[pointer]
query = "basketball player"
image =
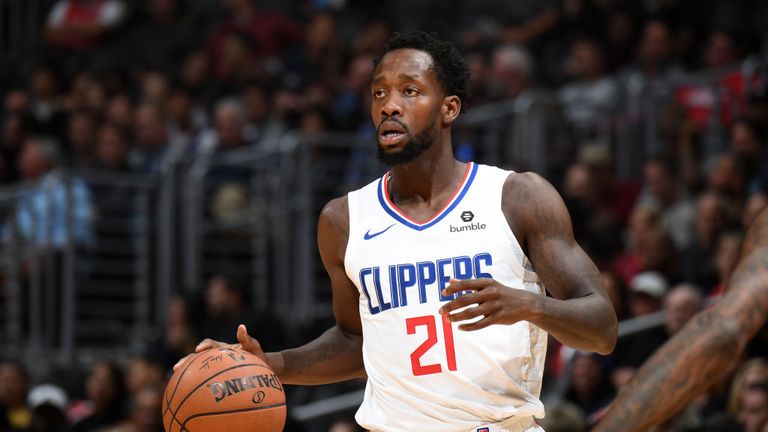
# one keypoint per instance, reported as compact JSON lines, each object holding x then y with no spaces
{"x":697,"y":357}
{"x":438,"y":270}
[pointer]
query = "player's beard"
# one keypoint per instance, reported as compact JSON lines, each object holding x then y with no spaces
{"x":417,"y":145}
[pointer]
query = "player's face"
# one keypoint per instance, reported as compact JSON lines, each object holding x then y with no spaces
{"x":406,"y":100}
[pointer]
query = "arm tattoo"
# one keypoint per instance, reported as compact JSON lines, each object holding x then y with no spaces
{"x":331,"y":349}
{"x":701,"y":353}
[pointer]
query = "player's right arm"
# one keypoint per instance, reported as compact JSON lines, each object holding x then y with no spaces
{"x":698,"y":356}
{"x":337,"y":355}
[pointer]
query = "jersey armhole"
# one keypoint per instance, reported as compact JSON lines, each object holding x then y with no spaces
{"x":522,"y":265}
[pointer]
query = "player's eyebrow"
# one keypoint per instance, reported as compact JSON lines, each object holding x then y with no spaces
{"x":401,"y":76}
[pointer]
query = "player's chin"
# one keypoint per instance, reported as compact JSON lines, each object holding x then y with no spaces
{"x":392,"y":148}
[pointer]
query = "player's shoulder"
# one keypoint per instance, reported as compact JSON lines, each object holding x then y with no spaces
{"x":336,"y":214}
{"x":527,"y":200}
{"x":523,"y":187}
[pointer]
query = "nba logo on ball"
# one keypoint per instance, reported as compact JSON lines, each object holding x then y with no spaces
{"x":483,"y":429}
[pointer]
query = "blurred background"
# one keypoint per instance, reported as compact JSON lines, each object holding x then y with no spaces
{"x":163,"y":164}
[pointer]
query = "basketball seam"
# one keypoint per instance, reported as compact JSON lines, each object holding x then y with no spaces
{"x":168,"y":401}
{"x":184,"y":425}
{"x":191,"y":392}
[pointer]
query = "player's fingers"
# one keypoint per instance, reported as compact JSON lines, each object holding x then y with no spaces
{"x":461,"y":302}
{"x":456,"y":285}
{"x":248,"y":343}
{"x":469,"y":313}
{"x":207,"y":344}
{"x":181,"y":362}
{"x":483,"y":323}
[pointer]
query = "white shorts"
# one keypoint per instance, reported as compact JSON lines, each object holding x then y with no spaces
{"x":512,"y":424}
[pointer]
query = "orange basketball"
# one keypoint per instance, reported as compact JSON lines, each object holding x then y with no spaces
{"x":223,"y":389}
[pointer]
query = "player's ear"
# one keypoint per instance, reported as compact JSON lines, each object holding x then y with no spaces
{"x":451,"y":108}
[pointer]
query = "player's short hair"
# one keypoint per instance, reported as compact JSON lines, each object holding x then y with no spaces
{"x":450,"y":67}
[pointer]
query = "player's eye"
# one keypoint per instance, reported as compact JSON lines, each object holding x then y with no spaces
{"x":410,"y":91}
{"x":378,"y":93}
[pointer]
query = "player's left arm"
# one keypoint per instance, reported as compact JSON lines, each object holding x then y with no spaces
{"x":702,"y":352}
{"x":579,"y":313}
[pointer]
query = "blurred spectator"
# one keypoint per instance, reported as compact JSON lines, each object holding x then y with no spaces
{"x":151,"y":138}
{"x":112,"y":149}
{"x":145,"y":412}
{"x":617,"y":293}
{"x":753,"y":415}
{"x":615,"y":196}
{"x":46,"y":103}
{"x":350,"y":106}
{"x":697,"y":263}
{"x":14,"y":385}
{"x":564,"y":417}
{"x":747,"y":142}
{"x":262,"y":127}
{"x":511,"y":72}
{"x":226,"y":307}
{"x":179,"y":338}
{"x":620,"y":30}
{"x":230,"y":122}
{"x":48,"y":404}
{"x":154,"y":88}
{"x":270,"y":33}
{"x":751,"y":372}
{"x":648,"y":246}
{"x":727,"y":176}
{"x":320,"y":59}
{"x":16,"y":129}
{"x":591,"y":96}
{"x":647,"y":291}
{"x":588,"y":388}
{"x":42,"y":216}
{"x":48,"y":418}
{"x":105,"y":406}
{"x":648,"y":294}
{"x":187,"y":121}
{"x":74,"y":27}
{"x":170,"y":29}
{"x":144,"y":371}
{"x":16,"y":101}
{"x":680,"y":305}
{"x":520,"y":22}
{"x":664,"y":191}
{"x":721,"y":50}
{"x":81,"y":139}
{"x":78,"y":24}
{"x":655,"y":63}
{"x":120,"y":112}
{"x":195,"y":74}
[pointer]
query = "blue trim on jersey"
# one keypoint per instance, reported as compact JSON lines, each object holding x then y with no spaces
{"x":437,"y":219}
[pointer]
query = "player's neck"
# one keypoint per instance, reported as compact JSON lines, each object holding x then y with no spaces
{"x":427,"y":178}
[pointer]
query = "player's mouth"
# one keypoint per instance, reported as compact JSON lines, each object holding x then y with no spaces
{"x":391,"y":133}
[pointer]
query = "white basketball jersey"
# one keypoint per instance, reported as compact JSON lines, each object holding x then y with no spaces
{"x":423,"y":372}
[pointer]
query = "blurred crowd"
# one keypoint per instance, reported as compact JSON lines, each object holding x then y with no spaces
{"x":129,"y":86}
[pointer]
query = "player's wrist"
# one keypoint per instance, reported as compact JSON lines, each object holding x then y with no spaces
{"x":276,"y":362}
{"x":536,"y":308}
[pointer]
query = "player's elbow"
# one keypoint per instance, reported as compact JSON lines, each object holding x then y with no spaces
{"x":607,"y":342}
{"x":608,"y":335}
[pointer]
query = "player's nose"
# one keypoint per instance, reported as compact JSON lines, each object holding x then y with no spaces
{"x":391,"y":107}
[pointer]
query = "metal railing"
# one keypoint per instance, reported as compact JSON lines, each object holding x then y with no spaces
{"x":77,"y":252}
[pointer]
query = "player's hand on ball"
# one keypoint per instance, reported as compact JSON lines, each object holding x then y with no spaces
{"x":496,"y":303}
{"x":246,"y":342}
